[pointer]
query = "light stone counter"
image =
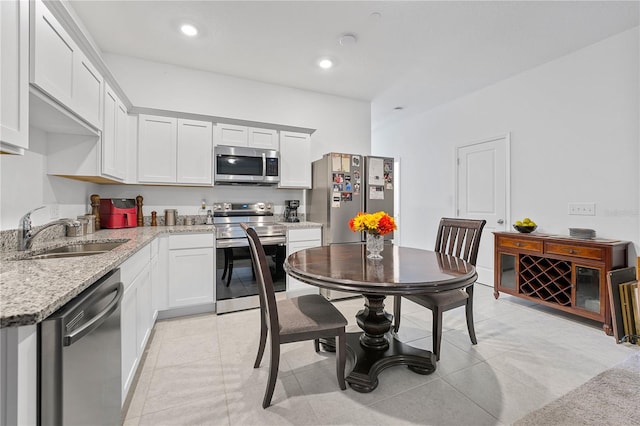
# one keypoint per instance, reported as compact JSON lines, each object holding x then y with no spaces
{"x":300,"y":225}
{"x":31,"y":290}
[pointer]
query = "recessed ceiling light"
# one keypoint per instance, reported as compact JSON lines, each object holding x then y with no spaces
{"x":348,"y":39}
{"x":189,"y":30}
{"x":325,"y":63}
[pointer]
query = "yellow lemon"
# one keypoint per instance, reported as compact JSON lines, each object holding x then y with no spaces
{"x":518,"y":223}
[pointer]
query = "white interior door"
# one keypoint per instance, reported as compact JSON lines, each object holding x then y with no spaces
{"x":483,"y":193}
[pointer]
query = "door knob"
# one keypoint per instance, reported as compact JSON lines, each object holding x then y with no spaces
{"x":500,"y":221}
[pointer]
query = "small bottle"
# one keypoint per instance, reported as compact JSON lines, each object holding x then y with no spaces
{"x":209,"y":218}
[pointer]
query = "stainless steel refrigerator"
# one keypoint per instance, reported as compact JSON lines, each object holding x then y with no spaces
{"x":343,"y":185}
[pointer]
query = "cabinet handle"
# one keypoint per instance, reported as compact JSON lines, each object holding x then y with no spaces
{"x":519,"y":244}
{"x":572,"y":251}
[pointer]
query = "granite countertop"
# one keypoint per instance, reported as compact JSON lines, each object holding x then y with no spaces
{"x":300,"y":225}
{"x":31,"y":290}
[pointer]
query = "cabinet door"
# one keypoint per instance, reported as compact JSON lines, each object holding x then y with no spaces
{"x":128,"y":339}
{"x":144,"y":313}
{"x":87,"y":91}
{"x":53,"y":55}
{"x":295,"y":160}
{"x":263,"y":138}
{"x":300,"y":239}
{"x":190,"y":277}
{"x":122,"y":141}
{"x":507,"y":271}
{"x":157,"y":149}
{"x":114,"y":136}
{"x":228,"y":134}
{"x":195,"y":156}
{"x":159,"y":275}
{"x":14,"y":73}
{"x":589,"y":288}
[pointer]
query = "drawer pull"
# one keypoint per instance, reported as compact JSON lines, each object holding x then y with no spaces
{"x":519,"y":244}
{"x":572,"y":251}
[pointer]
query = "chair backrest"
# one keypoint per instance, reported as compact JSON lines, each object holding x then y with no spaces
{"x":460,"y":238}
{"x":266,"y":290}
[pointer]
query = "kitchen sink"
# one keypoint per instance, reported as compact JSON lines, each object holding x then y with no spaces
{"x":74,"y":250}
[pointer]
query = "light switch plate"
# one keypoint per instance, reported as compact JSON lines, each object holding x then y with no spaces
{"x":582,"y":209}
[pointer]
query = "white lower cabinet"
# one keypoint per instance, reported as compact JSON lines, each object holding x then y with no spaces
{"x":159,"y":272}
{"x":136,"y":313}
{"x":129,"y":348}
{"x":191,"y":266}
{"x":300,"y":239}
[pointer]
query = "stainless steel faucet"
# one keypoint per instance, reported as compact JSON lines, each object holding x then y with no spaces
{"x":25,"y":236}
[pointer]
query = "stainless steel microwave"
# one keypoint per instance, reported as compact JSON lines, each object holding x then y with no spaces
{"x":242,"y":165}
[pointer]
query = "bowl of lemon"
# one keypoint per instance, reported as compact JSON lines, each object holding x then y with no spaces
{"x":525,"y":225}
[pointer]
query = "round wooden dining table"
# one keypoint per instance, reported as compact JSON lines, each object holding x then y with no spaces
{"x":401,"y":271}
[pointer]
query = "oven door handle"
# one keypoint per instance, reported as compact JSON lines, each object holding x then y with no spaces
{"x":264,"y":166}
{"x":243,"y":242}
{"x":95,"y":322}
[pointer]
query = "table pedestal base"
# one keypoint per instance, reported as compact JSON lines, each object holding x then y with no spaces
{"x":367,"y":363}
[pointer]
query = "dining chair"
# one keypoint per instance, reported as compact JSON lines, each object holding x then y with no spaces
{"x":308,"y":317}
{"x":459,"y":238}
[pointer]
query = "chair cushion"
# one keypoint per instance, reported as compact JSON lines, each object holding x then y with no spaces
{"x":444,"y":299}
{"x":308,"y":313}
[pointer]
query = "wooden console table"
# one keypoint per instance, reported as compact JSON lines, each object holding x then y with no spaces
{"x":562,"y":272}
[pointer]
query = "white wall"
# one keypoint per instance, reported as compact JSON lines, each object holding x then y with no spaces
{"x":340,"y":122}
{"x":574,"y":125}
{"x":24,"y":185}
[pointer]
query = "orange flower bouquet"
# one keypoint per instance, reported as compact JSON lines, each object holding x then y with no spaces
{"x":378,"y":223}
{"x":375,"y":225}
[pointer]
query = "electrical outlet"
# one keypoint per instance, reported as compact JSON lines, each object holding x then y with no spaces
{"x":582,"y":209}
{"x":54,"y":211}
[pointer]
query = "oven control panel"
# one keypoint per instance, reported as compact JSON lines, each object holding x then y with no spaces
{"x":243,"y":209}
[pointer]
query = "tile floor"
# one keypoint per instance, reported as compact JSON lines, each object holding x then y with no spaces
{"x":198,"y":370}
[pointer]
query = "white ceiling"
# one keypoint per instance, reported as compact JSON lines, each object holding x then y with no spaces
{"x":415,"y":54}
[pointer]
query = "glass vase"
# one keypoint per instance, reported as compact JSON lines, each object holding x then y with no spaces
{"x":375,"y":244}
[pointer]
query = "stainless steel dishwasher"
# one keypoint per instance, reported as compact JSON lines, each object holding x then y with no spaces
{"x":79,"y":358}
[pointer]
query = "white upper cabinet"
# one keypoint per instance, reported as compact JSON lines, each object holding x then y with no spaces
{"x":228,"y":134}
{"x":114,"y":136}
{"x":157,"y":149}
{"x":60,"y":69}
{"x":195,"y":151}
{"x":14,"y":75}
{"x":232,"y":135}
{"x":263,"y":138}
{"x":174,"y":150}
{"x":295,"y":160}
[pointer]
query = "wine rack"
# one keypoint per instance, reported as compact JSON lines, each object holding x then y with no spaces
{"x":561,"y":272}
{"x":546,"y":279}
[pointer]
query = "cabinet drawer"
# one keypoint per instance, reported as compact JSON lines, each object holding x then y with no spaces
{"x":304,"y":234}
{"x":520,"y":243}
{"x":576,"y":251}
{"x":131,"y":267}
{"x":188,"y":241}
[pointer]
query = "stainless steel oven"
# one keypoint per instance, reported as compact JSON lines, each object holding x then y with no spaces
{"x":236,"y":287}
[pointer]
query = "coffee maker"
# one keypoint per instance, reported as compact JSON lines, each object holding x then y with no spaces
{"x":291,"y":210}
